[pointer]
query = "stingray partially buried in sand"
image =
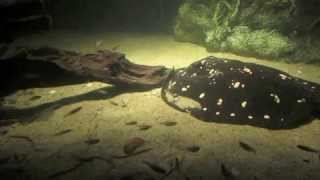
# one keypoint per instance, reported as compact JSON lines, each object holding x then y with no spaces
{"x":230,"y":91}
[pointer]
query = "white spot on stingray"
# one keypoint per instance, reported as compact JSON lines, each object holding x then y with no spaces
{"x":202,"y":95}
{"x":225,"y":61}
{"x":282,"y":120}
{"x":220,"y":101}
{"x":184,"y":73}
{"x":236,"y":84}
{"x":283,"y":77}
{"x":305,"y":83}
{"x":243,"y":85}
{"x":247,"y":70}
{"x":250,"y":117}
{"x":188,"y":86}
{"x":244,"y":104}
{"x":313,"y":87}
{"x":203,"y":61}
{"x":184,"y":89}
{"x":217,"y":113}
{"x":266,"y":116}
{"x":299,"y":71}
{"x":194,"y":75}
{"x":275,"y":98}
{"x":204,"y":109}
{"x":232,"y":114}
{"x":303,"y":100}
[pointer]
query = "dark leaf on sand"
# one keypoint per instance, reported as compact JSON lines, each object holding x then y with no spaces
{"x":156,"y":168}
{"x":144,"y":127}
{"x":92,"y":141}
{"x":73,"y":111}
{"x":66,"y":131}
{"x":247,"y":147}
{"x":169,"y":123}
{"x":133,"y":144}
{"x":307,"y":148}
{"x":193,"y":148}
{"x":131,"y":123}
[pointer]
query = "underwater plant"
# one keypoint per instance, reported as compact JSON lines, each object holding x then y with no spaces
{"x":269,"y":29}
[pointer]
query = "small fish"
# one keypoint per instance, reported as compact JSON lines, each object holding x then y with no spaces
{"x":169,"y":123}
{"x":144,"y":127}
{"x":307,"y":148}
{"x":62,"y":132}
{"x":73,"y":111}
{"x":156,"y":168}
{"x":33,"y":98}
{"x":92,"y":141}
{"x":247,"y":147}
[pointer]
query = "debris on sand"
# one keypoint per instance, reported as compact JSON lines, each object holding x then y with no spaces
{"x":33,"y":98}
{"x":92,"y":141}
{"x":133,"y":144}
{"x":156,"y":168}
{"x":247,"y":147}
{"x":169,"y":123}
{"x":307,"y":149}
{"x":130,"y":123}
{"x":144,"y":127}
{"x":63,"y":132}
{"x":193,"y":148}
{"x":229,"y":174}
{"x":73,"y":111}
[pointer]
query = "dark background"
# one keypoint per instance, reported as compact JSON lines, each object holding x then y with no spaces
{"x":87,"y":15}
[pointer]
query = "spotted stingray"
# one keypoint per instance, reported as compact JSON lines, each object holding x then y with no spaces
{"x":231,"y":91}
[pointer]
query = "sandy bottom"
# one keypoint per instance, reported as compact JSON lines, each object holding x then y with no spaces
{"x":91,"y":146}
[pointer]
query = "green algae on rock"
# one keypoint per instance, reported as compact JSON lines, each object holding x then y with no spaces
{"x":269,"y":29}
